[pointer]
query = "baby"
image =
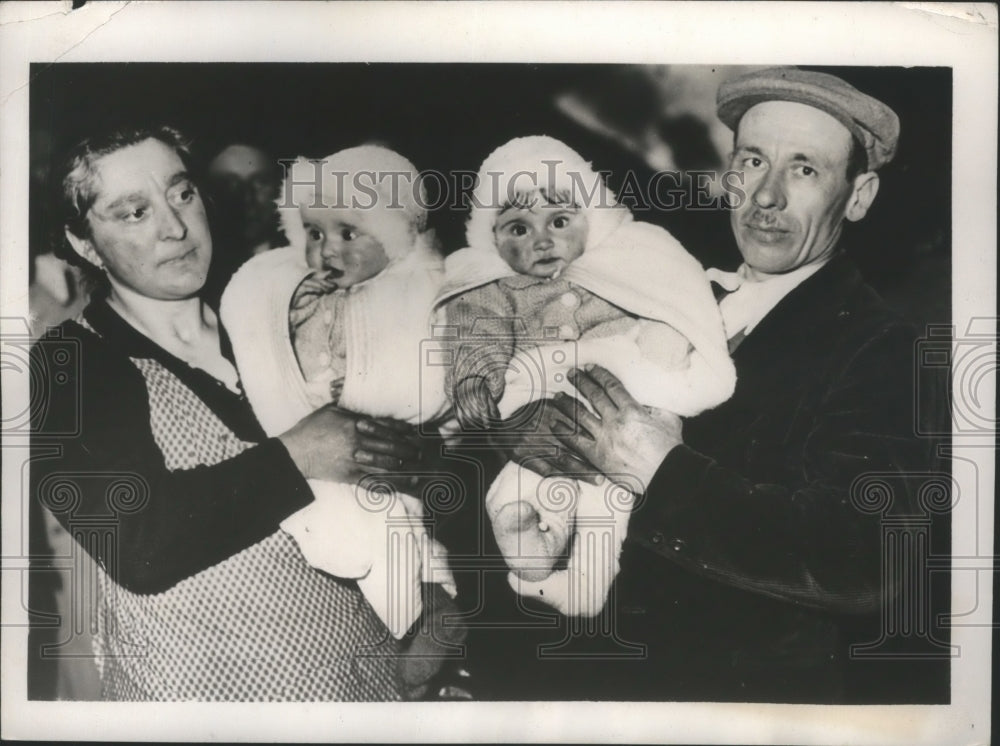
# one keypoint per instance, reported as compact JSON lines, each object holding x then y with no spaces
{"x":339,"y":316}
{"x":558,"y":275}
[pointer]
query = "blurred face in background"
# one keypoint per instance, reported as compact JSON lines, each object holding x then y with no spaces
{"x":243,"y":183}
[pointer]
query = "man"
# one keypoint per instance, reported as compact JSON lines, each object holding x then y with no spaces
{"x":242,"y":182}
{"x":754,"y":557}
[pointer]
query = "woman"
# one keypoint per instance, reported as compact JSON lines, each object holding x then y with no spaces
{"x":202,"y":597}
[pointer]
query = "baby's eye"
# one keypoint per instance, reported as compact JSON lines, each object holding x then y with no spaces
{"x":314,"y":234}
{"x":560,"y":221}
{"x":348,"y":234}
{"x":517,"y":229}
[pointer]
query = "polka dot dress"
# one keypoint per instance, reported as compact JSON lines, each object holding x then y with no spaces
{"x":260,"y":626}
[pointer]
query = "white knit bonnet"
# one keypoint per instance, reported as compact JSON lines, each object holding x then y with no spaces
{"x":525,"y":165}
{"x":381,"y":185}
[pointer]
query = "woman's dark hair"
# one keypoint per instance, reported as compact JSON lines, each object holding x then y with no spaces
{"x":73,"y":181}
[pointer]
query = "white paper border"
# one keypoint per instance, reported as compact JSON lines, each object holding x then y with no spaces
{"x":960,"y":36}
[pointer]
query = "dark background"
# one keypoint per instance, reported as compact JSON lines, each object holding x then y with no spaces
{"x":450,"y":116}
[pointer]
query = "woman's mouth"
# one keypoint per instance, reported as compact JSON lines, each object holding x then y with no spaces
{"x":180,"y":257}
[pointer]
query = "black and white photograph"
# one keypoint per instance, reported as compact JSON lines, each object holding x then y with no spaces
{"x":494,"y":371}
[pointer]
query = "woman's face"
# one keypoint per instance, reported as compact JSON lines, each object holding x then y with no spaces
{"x":148,"y":227}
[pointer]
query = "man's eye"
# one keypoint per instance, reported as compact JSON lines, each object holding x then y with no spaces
{"x":806,"y":170}
{"x":753,"y":163}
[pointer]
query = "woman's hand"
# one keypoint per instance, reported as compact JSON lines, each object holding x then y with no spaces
{"x":340,"y":446}
{"x":625,"y":441}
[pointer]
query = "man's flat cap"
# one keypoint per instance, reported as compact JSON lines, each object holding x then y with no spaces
{"x":874,"y":124}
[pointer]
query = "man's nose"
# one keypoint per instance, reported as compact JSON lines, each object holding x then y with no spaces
{"x":770,"y":191}
{"x":172,"y":227}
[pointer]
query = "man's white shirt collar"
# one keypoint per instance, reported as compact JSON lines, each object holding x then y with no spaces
{"x":750,"y":300}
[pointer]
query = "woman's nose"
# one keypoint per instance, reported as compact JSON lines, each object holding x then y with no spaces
{"x":171,"y":225}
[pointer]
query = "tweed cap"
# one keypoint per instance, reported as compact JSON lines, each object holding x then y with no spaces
{"x":874,"y":124}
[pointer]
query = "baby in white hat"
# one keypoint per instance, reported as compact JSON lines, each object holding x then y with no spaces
{"x":558,"y":275}
{"x":339,"y":316}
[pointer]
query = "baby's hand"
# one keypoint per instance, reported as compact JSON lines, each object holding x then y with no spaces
{"x":307,"y":295}
{"x":474,"y":405}
{"x":336,"y":389}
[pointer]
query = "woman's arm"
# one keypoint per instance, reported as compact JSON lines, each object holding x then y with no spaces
{"x":183,"y":521}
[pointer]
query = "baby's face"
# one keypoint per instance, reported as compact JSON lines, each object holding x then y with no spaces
{"x":336,"y":245}
{"x":540,"y":240}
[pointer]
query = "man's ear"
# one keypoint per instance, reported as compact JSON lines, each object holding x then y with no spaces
{"x":84,"y":247}
{"x":865,"y":189}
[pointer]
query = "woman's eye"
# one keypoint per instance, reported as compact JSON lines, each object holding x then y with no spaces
{"x":184,"y":194}
{"x":135,"y":214}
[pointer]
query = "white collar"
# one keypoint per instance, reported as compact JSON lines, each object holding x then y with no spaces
{"x":750,"y":300}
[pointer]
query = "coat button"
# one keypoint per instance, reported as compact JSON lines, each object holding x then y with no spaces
{"x":678,"y":545}
{"x":657,"y":537}
{"x":569,"y":300}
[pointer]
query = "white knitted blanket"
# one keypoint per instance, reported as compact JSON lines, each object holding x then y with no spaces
{"x":349,"y":531}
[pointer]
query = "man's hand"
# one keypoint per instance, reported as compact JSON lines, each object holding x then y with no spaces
{"x":542,"y":451}
{"x":624,"y":440}
{"x":337,"y":445}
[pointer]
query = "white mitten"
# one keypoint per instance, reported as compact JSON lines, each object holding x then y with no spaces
{"x":377,"y":539}
{"x":530,"y":550}
{"x":334,"y":532}
{"x":601,"y":524}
